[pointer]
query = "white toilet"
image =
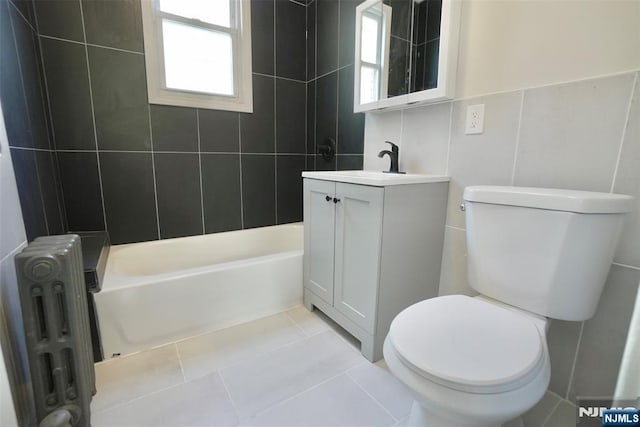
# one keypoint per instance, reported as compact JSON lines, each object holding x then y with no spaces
{"x":533,"y":254}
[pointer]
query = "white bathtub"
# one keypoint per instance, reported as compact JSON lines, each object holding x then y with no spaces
{"x":163,"y":291}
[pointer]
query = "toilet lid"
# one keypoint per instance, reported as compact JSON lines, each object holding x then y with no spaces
{"x":468,"y":344}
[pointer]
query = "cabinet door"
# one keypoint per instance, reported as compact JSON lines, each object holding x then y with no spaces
{"x":319,"y":222}
{"x":357,"y":247}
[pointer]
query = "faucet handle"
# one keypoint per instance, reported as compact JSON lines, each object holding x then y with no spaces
{"x":394,"y":147}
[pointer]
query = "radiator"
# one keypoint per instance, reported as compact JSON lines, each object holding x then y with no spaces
{"x":54,"y":306}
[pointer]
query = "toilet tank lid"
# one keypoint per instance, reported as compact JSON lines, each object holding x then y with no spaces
{"x":550,"y":198}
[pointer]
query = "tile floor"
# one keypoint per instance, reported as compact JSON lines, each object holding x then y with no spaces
{"x":294,"y":368}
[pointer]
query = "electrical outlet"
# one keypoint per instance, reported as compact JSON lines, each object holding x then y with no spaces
{"x":475,"y":119}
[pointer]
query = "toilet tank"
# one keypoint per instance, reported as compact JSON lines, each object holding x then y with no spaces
{"x":544,"y":250}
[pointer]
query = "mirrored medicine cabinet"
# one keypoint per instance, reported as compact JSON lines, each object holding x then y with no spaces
{"x":406,"y":52}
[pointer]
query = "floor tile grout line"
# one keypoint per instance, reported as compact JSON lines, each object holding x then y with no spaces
{"x":304,"y":332}
{"x":281,"y":347}
{"x":233,"y":403}
{"x":249,"y":358}
{"x":349,"y":344}
{"x":371,"y":397}
{"x":287,"y":399}
{"x":575,"y":361}
{"x":184,"y":377}
{"x":218,"y":372}
{"x":297,"y":340}
{"x":137,"y":398}
{"x":316,"y":317}
{"x":548,"y":417}
{"x":302,"y":338}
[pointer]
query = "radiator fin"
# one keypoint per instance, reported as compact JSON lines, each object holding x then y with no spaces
{"x":54,"y":306}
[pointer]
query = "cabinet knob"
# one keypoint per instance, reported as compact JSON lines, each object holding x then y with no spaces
{"x":328,"y":198}
{"x":335,"y":200}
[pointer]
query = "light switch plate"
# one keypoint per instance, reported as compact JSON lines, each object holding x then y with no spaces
{"x":475,"y":119}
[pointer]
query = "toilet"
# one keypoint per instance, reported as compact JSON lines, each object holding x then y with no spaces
{"x":533,"y":254}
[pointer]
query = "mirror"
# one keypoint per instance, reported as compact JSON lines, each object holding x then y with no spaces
{"x":406,"y":52}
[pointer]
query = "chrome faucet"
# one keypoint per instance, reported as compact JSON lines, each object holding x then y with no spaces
{"x":393,"y":155}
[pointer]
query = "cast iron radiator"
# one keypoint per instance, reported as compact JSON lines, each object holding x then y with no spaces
{"x":54,"y":308}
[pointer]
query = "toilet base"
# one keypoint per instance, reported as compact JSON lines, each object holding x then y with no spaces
{"x":421,"y":417}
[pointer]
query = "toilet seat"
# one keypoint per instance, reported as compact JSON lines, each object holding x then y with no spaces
{"x":468,"y":344}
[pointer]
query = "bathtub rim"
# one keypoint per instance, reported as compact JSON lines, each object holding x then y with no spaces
{"x":115,"y":281}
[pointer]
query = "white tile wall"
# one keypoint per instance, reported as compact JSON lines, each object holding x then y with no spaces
{"x":568,"y":135}
{"x":453,"y":274}
{"x":628,"y":182}
{"x":581,"y":135}
{"x":485,"y":158}
{"x":378,"y":128}
{"x":571,"y":134}
{"x":425,"y":139}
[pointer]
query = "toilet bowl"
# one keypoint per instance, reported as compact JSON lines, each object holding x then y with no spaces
{"x":532,"y":254}
{"x":475,"y":363}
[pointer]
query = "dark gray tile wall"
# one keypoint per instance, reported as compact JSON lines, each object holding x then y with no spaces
{"x":22,"y":94}
{"x":145,"y":171}
{"x":85,"y":108}
{"x":178,"y":187}
{"x":221,"y":195}
{"x":330,"y":59}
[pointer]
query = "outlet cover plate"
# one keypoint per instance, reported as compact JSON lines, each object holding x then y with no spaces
{"x":475,"y":119}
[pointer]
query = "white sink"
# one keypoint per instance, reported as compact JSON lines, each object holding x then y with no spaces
{"x":377,"y":179}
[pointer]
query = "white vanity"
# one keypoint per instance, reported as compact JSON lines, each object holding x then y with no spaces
{"x":372,"y":247}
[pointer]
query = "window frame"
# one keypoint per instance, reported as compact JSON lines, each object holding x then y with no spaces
{"x":240,"y":32}
{"x":383,"y":18}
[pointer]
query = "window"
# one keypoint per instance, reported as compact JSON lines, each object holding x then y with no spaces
{"x":198,"y":53}
{"x":374,"y":53}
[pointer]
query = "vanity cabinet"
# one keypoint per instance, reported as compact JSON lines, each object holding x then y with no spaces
{"x":370,"y":251}
{"x":343,"y":240}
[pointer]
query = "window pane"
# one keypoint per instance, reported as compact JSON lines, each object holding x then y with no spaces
{"x":197,"y":59}
{"x":368,"y":84}
{"x":212,"y":11}
{"x":369,"y":43}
